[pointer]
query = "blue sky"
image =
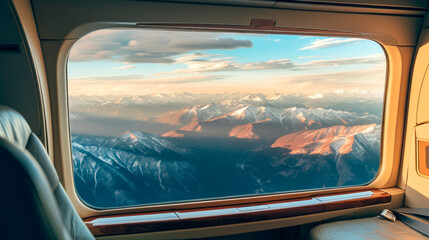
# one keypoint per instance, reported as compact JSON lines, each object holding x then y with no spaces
{"x":138,"y":62}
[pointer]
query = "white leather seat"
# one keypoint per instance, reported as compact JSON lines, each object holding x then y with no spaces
{"x":34,"y":202}
{"x":364,"y":229}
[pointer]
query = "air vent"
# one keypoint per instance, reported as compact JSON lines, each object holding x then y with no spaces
{"x":423,"y":157}
{"x":9,"y":47}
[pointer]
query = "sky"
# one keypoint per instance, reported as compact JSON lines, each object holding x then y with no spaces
{"x":126,"y":62}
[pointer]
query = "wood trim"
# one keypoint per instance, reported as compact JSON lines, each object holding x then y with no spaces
{"x":214,"y":216}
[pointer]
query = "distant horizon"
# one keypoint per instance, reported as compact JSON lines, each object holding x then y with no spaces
{"x":111,"y":115}
{"x":355,"y":92}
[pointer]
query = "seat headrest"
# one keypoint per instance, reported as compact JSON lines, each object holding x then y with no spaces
{"x":13,"y":126}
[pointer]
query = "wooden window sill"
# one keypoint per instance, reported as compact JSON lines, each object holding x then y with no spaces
{"x":215,"y":216}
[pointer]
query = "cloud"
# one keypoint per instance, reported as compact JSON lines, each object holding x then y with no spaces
{"x":140,"y":79}
{"x":131,"y":46}
{"x":316,"y":96}
{"x":372,"y":78}
{"x":308,"y":57}
{"x":186,"y":79}
{"x":108,"y":78}
{"x":330,"y":42}
{"x":371,"y":59}
{"x":198,"y":63}
{"x":345,"y":79}
{"x":359,"y":91}
{"x":132,"y":85}
{"x":125,"y":67}
{"x":201,"y":63}
{"x":220,"y":43}
{"x":271,"y":64}
{"x":277,"y":40}
{"x":339,"y":91}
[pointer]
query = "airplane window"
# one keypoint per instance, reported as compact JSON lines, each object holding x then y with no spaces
{"x":160,"y":116}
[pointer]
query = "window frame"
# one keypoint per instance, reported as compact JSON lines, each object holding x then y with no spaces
{"x":396,"y":85}
{"x":261,"y":27}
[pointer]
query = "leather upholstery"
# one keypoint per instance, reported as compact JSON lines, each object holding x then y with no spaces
{"x":365,"y":228}
{"x":13,"y":126}
{"x":46,"y":203}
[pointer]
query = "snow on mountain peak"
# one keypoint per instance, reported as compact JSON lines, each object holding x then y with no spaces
{"x":240,"y":113}
{"x":257,"y":99}
{"x":133,"y":137}
{"x":205,"y":107}
{"x":124,"y":133}
{"x":301,"y":117}
{"x":274,"y":97}
{"x":284,"y":120}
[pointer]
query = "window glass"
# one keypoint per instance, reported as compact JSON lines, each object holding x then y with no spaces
{"x":171,"y":116}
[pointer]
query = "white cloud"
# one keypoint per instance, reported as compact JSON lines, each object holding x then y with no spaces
{"x":316,"y":96}
{"x":108,"y":78}
{"x":186,"y":79}
{"x":277,"y":40}
{"x":199,"y":63}
{"x":138,"y":46}
{"x":342,"y":76}
{"x":271,"y":64}
{"x":302,"y":57}
{"x":339,"y":91}
{"x":330,"y":42}
{"x":133,"y":43}
{"x":370,"y":59}
{"x":359,"y":91}
{"x":132,"y":85}
{"x":125,"y":67}
{"x":372,"y":78}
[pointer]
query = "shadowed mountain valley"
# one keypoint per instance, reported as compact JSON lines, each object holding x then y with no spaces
{"x":226,"y":145}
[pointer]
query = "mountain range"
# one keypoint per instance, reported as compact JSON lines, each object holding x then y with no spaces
{"x":150,"y":106}
{"x":253,"y":122}
{"x":239,"y":146}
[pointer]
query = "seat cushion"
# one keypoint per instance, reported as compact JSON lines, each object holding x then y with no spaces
{"x":365,"y":228}
{"x":17,"y":133}
{"x":29,"y":208}
{"x":13,"y":126}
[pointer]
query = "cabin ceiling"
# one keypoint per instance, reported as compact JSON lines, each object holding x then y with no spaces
{"x":63,"y":19}
{"x":412,"y":4}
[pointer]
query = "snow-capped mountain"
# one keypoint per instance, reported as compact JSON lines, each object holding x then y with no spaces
{"x":217,"y":145}
{"x":253,"y":122}
{"x":126,"y":169}
{"x":151,"y":106}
